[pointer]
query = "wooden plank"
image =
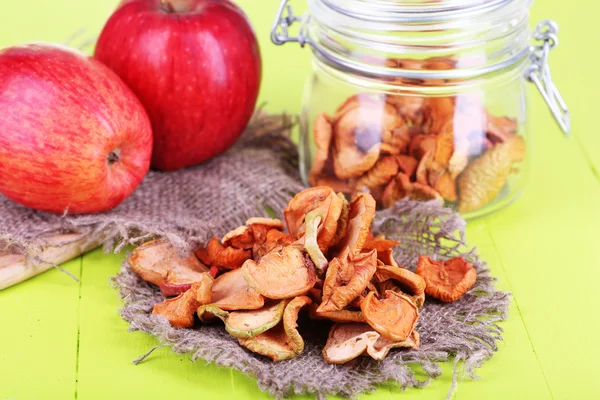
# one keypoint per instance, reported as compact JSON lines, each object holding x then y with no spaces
{"x":548,"y":245}
{"x":38,"y":350}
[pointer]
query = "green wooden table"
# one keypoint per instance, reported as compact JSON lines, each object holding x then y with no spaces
{"x":62,"y":340}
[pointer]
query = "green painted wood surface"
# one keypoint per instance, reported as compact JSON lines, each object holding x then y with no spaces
{"x":62,"y":340}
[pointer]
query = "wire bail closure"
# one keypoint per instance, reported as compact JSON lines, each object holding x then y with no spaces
{"x":539,"y":73}
{"x":280,"y":29}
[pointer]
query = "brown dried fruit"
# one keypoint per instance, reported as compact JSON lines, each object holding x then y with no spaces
{"x":409,"y":107}
{"x":346,"y":279}
{"x":339,"y":316}
{"x":483,"y":179}
{"x":349,"y":341}
{"x":277,"y":236}
{"x":387,"y":258}
{"x":397,"y":189}
{"x":342,"y":225}
{"x":280,"y":274}
{"x":407,"y":281}
{"x":425,"y":165}
{"x":444,"y":148}
{"x":394,"y":316}
{"x":226,"y":257}
{"x":248,"y":324}
{"x":179,"y":311}
{"x":231,"y":292}
{"x":161,"y":264}
{"x":423,"y":193}
{"x":381,"y":173}
{"x":318,"y":198}
{"x":447,"y":281}
{"x":379,"y":244}
{"x":239,"y":238}
{"x":517,"y":148}
{"x":407,"y":164}
{"x":360,"y":216}
{"x":446,"y":186}
{"x":438,"y":111}
{"x":500,"y":129}
{"x":259,"y":227}
{"x":283,"y":341}
{"x":421,"y":145}
{"x":323,"y":132}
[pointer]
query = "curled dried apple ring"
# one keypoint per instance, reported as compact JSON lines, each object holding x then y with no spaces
{"x":318,"y":198}
{"x":407,"y":164}
{"x":161,"y":264}
{"x":360,"y":215}
{"x":179,"y":311}
{"x":346,"y":278}
{"x":381,"y":173}
{"x":281,"y":274}
{"x":340,"y":316}
{"x":407,"y":281}
{"x":446,"y":281}
{"x":445,"y":185}
{"x":349,"y":341}
{"x":239,"y":238}
{"x":231,"y":292}
{"x":394,"y":316}
{"x":283,"y":341}
{"x":226,"y":257}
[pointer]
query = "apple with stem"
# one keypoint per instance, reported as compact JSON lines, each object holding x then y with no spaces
{"x":73,"y":137}
{"x":196,"y":67}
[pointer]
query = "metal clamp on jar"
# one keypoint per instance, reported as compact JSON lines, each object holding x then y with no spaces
{"x":421,"y":99}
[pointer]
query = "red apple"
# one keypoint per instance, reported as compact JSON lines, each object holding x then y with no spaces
{"x":72,"y":135}
{"x":196,"y":67}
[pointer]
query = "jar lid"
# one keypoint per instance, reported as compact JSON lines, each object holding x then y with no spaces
{"x":413,"y":10}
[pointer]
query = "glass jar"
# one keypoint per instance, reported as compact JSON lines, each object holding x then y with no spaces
{"x":421,"y":98}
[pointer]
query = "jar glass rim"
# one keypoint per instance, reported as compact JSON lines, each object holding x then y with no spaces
{"x":414,"y":10}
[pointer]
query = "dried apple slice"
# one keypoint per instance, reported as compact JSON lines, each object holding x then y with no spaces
{"x":446,"y":186}
{"x":247,"y":324}
{"x":380,"y":349}
{"x":483,"y":179}
{"x":159,"y":263}
{"x":239,"y":238}
{"x":180,"y":310}
{"x":380,"y":245}
{"x":226,"y":257}
{"x":230,"y":292}
{"x":339,"y":316}
{"x":261,"y":226}
{"x":446,"y":281}
{"x":360,"y":216}
{"x":281,"y":274}
{"x":407,"y":281}
{"x":383,"y":171}
{"x":394,"y":316}
{"x":347,"y":342}
{"x":318,"y":198}
{"x":347,"y":277}
{"x":323,"y":132}
{"x":283,"y":341}
{"x":407,"y":164}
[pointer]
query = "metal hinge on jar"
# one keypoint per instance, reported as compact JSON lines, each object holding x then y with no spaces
{"x":539,"y":73}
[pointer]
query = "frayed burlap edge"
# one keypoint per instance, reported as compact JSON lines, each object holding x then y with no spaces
{"x":464,"y":332}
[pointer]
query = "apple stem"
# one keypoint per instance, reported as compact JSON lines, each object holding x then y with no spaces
{"x":167,"y":6}
{"x":113,"y":157}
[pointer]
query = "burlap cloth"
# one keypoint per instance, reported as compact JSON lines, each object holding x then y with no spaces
{"x":260,"y":174}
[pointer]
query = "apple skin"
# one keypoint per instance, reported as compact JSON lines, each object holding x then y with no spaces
{"x":73,"y":137}
{"x":196,"y":70}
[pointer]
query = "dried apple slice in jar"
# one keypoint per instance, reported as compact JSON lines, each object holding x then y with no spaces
{"x":179,"y":311}
{"x":161,"y":264}
{"x":446,"y":281}
{"x":283,"y":341}
{"x":281,"y":274}
{"x":381,"y":173}
{"x":484,"y":178}
{"x":393,"y":316}
{"x":230,"y":292}
{"x":347,"y":277}
{"x":323,"y":133}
